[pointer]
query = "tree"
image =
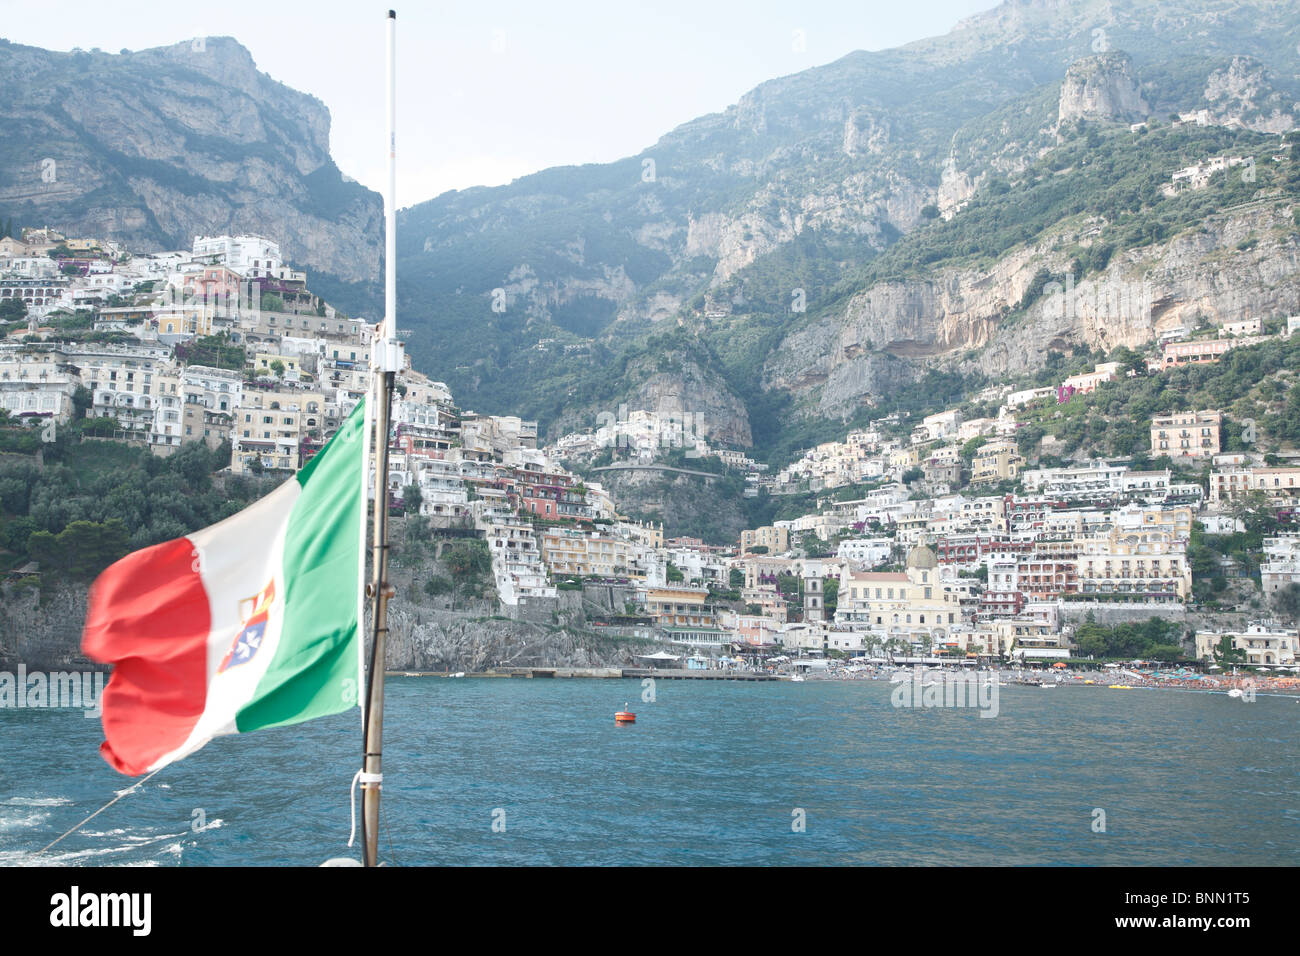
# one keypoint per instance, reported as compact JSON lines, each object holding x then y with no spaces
{"x":736,"y":579}
{"x":272,"y":303}
{"x":674,"y":574}
{"x":1224,"y":653}
{"x":1257,"y":513}
{"x":13,"y":310}
{"x":82,"y":549}
{"x":813,"y":546}
{"x":82,"y":399}
{"x":438,"y":585}
{"x":467,"y":559}
{"x":968,"y":450}
{"x":412,"y":498}
{"x":277,"y":368}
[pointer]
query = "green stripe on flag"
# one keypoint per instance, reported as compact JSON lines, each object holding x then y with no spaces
{"x":314,"y":671}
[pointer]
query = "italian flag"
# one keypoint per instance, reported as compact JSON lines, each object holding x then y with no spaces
{"x":250,"y":623}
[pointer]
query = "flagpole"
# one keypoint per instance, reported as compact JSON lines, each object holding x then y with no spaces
{"x":386,"y":361}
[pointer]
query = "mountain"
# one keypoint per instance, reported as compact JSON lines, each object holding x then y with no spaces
{"x":836,"y":238}
{"x":158,"y":146}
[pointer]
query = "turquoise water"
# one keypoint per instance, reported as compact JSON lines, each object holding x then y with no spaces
{"x":711,"y":773}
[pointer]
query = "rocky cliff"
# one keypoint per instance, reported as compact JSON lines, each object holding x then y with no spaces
{"x":1102,"y":88}
{"x":752,"y":228}
{"x":1240,"y":263}
{"x":158,"y":146}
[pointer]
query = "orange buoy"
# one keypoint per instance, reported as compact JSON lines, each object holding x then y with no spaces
{"x":625,"y":716}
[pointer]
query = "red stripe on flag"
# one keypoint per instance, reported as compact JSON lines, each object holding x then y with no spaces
{"x":148,"y":616}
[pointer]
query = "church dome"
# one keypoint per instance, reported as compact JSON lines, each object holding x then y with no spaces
{"x":922,"y":557}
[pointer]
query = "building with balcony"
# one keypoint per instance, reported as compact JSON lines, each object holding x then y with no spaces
{"x":1281,"y":483}
{"x":996,"y":461}
{"x":775,"y":539}
{"x":269,"y":428}
{"x":1186,"y":434}
{"x":1264,"y":644}
{"x":1147,"y":564}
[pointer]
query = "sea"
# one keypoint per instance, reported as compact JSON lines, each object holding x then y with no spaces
{"x":486,"y":772}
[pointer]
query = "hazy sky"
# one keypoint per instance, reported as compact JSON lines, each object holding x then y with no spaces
{"x":487,"y":91}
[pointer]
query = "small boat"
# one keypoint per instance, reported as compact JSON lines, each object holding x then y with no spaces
{"x":1235,"y":692}
{"x":457,"y":674}
{"x":798,"y":677}
{"x":625,"y":716}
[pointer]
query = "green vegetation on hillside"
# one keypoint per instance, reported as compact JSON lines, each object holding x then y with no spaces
{"x":93,"y":502}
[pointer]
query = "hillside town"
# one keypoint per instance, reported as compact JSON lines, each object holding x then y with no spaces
{"x":935,"y":542}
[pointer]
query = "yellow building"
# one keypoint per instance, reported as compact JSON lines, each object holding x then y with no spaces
{"x":263,"y":362}
{"x":1263,"y":645}
{"x":908,"y":602}
{"x":190,"y":320}
{"x":269,"y":427}
{"x":684,"y":615}
{"x":996,"y":461}
{"x":776,"y":540}
{"x":1151,"y":562}
{"x":1186,"y":434}
{"x":569,"y":552}
{"x":905,"y":458}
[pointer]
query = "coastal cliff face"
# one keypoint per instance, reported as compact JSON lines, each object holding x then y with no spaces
{"x":1103,"y":88}
{"x":1245,"y":93}
{"x":723,"y":227}
{"x":158,"y":146}
{"x":422,"y":640}
{"x":42,"y":631}
{"x":889,"y":334}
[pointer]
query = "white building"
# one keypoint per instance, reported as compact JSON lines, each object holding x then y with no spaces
{"x":1264,"y":644}
{"x":866,"y":552}
{"x":251,"y":256}
{"x":1282,"y":566}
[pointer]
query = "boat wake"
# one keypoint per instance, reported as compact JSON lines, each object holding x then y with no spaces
{"x":124,"y":843}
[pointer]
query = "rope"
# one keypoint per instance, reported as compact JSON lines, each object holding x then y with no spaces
{"x":120,"y":795}
{"x":352,"y":790}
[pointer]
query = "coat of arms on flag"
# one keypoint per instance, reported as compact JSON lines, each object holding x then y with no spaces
{"x":254,"y":613}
